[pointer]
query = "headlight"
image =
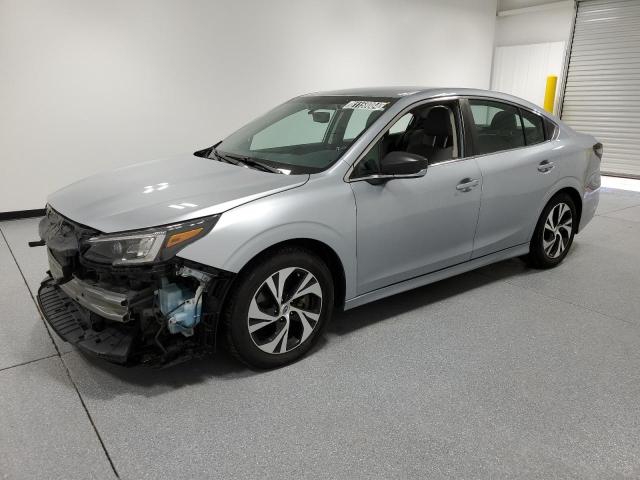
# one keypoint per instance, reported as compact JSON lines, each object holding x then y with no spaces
{"x":146,"y":246}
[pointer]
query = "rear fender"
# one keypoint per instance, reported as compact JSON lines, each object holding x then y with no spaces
{"x":565,"y":182}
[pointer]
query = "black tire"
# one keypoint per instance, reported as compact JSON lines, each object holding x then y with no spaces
{"x":251,"y":283}
{"x":538,"y":256}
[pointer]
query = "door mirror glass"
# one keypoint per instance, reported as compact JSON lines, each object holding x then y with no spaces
{"x":402,"y":164}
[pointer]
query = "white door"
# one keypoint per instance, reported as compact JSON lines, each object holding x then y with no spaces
{"x":602,"y":94}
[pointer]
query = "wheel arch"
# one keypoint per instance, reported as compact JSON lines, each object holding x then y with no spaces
{"x":568,"y":185}
{"x":577,"y":201}
{"x":319,"y":248}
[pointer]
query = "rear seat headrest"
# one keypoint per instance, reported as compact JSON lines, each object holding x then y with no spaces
{"x":504,"y":121}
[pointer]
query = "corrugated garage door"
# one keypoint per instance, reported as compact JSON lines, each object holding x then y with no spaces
{"x":602,"y":92}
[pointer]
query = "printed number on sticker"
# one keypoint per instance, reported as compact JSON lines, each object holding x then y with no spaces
{"x":366,"y":105}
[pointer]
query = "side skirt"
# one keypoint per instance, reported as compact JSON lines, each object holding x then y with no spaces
{"x":432,"y":277}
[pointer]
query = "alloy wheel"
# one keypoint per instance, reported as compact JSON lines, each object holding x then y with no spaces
{"x":284,"y":310}
{"x":557,"y":230}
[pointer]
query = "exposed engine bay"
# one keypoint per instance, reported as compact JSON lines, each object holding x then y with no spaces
{"x":158,"y":314}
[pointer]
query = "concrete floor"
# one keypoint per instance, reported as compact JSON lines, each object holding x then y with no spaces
{"x":504,"y":372}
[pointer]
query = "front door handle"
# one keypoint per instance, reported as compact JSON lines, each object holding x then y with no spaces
{"x":467,"y":184}
{"x":545,"y":166}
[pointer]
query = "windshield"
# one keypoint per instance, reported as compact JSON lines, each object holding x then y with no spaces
{"x":306,"y":134}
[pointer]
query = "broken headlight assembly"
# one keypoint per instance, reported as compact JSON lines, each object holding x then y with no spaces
{"x":153,"y":245}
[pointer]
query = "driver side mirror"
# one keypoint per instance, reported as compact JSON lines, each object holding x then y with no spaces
{"x":403,"y":164}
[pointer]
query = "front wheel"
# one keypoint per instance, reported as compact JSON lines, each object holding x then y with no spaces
{"x":278,"y":308}
{"x":554,"y":232}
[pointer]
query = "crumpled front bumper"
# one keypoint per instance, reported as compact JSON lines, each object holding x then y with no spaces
{"x":112,"y":342}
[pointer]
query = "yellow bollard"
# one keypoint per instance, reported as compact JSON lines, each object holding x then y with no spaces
{"x":550,"y":93}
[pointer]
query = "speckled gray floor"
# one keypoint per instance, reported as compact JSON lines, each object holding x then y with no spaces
{"x":500,"y":373}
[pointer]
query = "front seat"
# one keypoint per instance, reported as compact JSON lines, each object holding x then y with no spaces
{"x":432,"y":136}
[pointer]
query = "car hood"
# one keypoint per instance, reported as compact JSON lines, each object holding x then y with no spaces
{"x":165,"y":191}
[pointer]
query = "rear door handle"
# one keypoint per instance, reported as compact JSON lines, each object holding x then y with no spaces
{"x":467,"y":184}
{"x":545,"y":166}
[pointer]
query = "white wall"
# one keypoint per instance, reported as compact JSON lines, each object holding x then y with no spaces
{"x":549,"y":25}
{"x":522,"y":70}
{"x":531,"y":41}
{"x":87,"y":85}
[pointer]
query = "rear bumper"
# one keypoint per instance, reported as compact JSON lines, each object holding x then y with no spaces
{"x":590,"y":200}
{"x":72,"y":324}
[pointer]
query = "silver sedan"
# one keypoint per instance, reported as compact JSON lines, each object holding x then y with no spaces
{"x":330,"y":200}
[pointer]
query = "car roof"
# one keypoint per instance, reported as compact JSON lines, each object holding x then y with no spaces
{"x":374,"y":91}
{"x":420,"y":93}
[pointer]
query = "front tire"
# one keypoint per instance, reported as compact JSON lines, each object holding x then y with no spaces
{"x":278,"y":308}
{"x":554,"y":232}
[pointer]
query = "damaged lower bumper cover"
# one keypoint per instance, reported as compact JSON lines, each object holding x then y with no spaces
{"x":64,"y":315}
{"x":156,"y":313}
{"x":107,"y":323}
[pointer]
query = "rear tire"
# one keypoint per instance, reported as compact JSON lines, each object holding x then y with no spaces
{"x":554,"y":232}
{"x":278,"y":308}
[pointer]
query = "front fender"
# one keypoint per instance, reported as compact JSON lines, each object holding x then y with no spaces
{"x":320,"y":211}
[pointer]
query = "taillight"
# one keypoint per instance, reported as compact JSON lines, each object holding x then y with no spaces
{"x":597,"y":149}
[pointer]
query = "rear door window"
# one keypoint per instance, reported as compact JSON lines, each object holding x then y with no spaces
{"x":550,"y":128}
{"x":498,"y":126}
{"x":533,"y":127}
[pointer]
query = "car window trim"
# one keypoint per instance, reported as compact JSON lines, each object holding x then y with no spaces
{"x":468,"y":132}
{"x":554,"y":136}
{"x":511,"y":103}
{"x":523,"y":107}
{"x":462,"y":134}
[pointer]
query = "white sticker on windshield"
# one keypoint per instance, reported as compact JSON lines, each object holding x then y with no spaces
{"x":366,"y":105}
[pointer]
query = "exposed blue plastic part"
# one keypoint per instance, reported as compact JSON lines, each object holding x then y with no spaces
{"x":181,"y":308}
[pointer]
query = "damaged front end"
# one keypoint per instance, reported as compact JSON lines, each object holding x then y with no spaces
{"x":127,"y":298}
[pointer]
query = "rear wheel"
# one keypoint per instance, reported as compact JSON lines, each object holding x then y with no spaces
{"x":554,"y":232}
{"x":278,"y":308}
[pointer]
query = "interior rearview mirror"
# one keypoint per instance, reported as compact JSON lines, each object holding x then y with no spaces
{"x":320,"y":116}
